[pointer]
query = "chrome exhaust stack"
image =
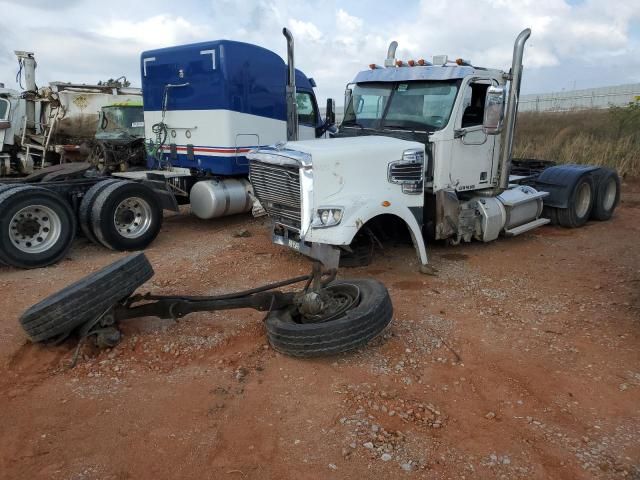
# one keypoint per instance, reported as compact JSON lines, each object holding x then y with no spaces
{"x":512,"y":108}
{"x":390,"y":61}
{"x":292,"y":106}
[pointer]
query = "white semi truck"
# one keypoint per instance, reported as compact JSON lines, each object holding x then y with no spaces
{"x":427,"y":145}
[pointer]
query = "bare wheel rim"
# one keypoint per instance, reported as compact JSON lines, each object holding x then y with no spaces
{"x":610,"y":194}
{"x":132,"y":217}
{"x":583,"y":199}
{"x":35,"y":229}
{"x":338,"y":300}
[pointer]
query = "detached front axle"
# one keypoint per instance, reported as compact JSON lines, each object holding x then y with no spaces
{"x":327,"y":316}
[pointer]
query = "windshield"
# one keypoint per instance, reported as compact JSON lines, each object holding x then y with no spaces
{"x":122,"y":120}
{"x":408,"y":105}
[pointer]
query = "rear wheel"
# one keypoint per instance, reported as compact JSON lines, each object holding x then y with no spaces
{"x":37,"y":227}
{"x":360,"y":310}
{"x":126,"y":216}
{"x":86,"y":205}
{"x":579,"y":205}
{"x":607,"y":195}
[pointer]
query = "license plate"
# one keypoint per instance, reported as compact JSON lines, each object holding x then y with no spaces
{"x":293,"y":244}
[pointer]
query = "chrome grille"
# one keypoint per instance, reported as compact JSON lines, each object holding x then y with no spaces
{"x":278,"y":190}
{"x":405,"y":172}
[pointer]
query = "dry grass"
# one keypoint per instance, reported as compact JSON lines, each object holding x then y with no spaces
{"x":600,"y":137}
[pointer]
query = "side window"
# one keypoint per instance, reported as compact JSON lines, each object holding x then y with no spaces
{"x":474,"y":97}
{"x":306,"y":109}
{"x":4,"y":109}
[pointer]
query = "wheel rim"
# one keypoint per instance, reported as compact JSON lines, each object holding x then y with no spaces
{"x":132,"y":217}
{"x":338,"y":299}
{"x":610,"y":194}
{"x":583,"y":199}
{"x":35,"y":229}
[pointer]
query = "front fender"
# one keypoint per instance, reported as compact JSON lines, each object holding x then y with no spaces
{"x":359,"y":213}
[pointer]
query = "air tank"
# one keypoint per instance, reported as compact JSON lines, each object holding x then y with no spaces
{"x":219,"y":198}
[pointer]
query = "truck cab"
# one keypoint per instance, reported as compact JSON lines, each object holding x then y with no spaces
{"x":426,"y":144}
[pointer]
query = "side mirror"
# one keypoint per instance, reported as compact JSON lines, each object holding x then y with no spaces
{"x":494,"y":104}
{"x":330,"y":118}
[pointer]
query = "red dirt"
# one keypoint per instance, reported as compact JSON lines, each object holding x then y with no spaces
{"x":519,"y":360}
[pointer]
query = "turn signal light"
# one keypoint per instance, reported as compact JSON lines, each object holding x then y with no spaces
{"x":386,"y":203}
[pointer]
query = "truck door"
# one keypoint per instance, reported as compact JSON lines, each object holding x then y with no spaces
{"x":307,"y":115}
{"x":473,"y":150}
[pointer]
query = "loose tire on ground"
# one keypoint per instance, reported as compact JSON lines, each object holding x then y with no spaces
{"x":37,"y":226}
{"x":352,"y":330}
{"x":86,"y":299}
{"x":580,"y":204}
{"x":607,"y":195}
{"x":126,"y":216}
{"x":84,"y":212}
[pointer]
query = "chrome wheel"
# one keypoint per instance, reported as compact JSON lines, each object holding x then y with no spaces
{"x":133,"y":217}
{"x":610,"y":194}
{"x":35,"y":229}
{"x":583,"y":200}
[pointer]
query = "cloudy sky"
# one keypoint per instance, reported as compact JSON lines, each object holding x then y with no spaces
{"x":575,"y":43}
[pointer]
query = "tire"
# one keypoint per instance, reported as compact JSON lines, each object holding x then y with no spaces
{"x":352,"y":330}
{"x":37,"y":227}
{"x":551,"y":213}
{"x":116,"y":214}
{"x":580,"y":204}
{"x":86,"y":299}
{"x":84,"y":212}
{"x":607,"y":195}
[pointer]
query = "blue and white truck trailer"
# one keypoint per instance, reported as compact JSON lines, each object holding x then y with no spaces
{"x":205,"y":106}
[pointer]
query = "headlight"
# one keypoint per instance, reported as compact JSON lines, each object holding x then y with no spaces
{"x":327,"y":217}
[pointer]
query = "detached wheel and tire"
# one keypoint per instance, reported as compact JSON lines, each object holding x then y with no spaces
{"x":580,"y":204}
{"x":125,"y":216}
{"x":87,"y":299}
{"x":607,"y":195}
{"x":37,"y":226}
{"x":364,"y":319}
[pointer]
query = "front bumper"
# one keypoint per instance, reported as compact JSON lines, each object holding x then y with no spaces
{"x":326,"y":254}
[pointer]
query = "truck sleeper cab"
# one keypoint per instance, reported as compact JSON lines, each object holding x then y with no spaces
{"x":446,"y":173}
{"x":207,"y":104}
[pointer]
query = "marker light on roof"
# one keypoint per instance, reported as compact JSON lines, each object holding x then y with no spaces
{"x":398,"y":63}
{"x":412,"y":63}
{"x":372,"y":66}
{"x":421,"y":62}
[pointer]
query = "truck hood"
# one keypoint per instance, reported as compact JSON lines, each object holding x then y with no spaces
{"x":352,"y":149}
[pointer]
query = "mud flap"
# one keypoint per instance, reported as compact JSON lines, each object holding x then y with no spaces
{"x":160,"y":186}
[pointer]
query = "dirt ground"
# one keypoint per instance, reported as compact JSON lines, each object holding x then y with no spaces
{"x":521,"y":359}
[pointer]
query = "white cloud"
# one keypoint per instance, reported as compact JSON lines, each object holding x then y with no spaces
{"x":591,"y":43}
